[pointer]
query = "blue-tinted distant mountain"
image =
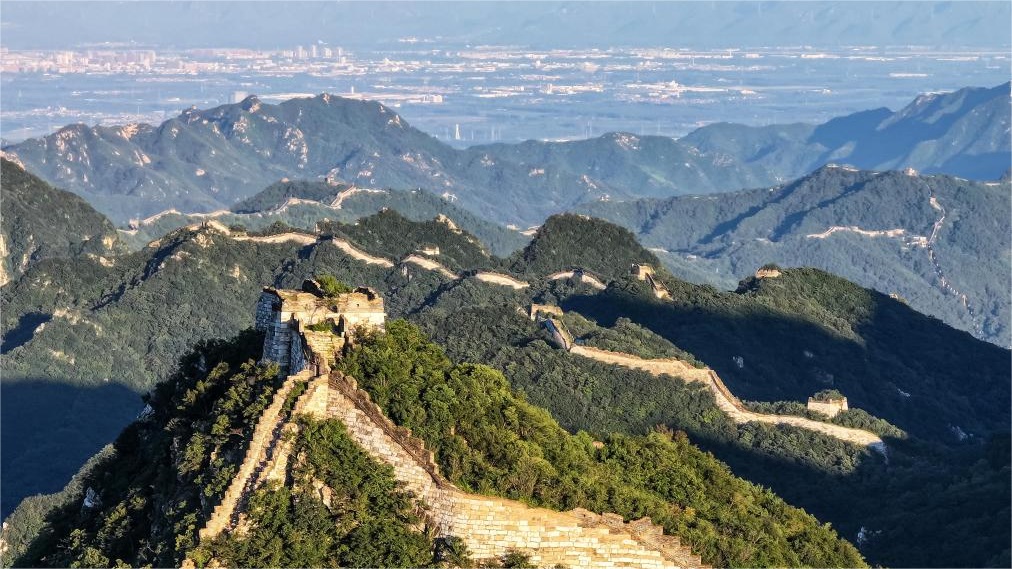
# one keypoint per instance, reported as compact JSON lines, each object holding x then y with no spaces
{"x":33,"y":25}
{"x":938,"y":242}
{"x":204,"y":160}
{"x":964,"y":133}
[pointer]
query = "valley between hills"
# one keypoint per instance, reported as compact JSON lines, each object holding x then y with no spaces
{"x":774,"y":342}
{"x":777,"y":346}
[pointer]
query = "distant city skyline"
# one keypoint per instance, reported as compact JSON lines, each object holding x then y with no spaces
{"x":699,"y":24}
{"x":478,"y":72}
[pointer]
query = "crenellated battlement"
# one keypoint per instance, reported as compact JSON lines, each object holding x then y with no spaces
{"x":306,"y":327}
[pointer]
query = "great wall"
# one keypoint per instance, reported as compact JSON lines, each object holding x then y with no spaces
{"x":304,"y":334}
{"x":489,"y":526}
{"x":550,"y":318}
{"x":726,"y":401}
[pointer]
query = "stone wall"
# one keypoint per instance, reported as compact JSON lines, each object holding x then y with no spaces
{"x":501,"y":279}
{"x":560,"y":334}
{"x":284,"y":316}
{"x":669,"y":366}
{"x":660,"y":291}
{"x":544,"y":309}
{"x":296,"y":353}
{"x":491,"y":526}
{"x":726,"y":401}
{"x":312,"y":402}
{"x":355,"y":253}
{"x":641,"y":272}
{"x":579,"y":275}
{"x":264,"y":315}
{"x":429,"y":265}
{"x":278,"y":342}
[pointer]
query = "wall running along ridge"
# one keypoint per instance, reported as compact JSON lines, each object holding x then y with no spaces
{"x":579,"y":275}
{"x":489,"y":526}
{"x":492,"y":526}
{"x":726,"y":401}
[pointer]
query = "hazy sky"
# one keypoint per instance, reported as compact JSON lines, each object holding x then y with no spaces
{"x":700,"y":24}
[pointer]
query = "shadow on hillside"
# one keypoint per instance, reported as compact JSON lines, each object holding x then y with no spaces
{"x":912,"y":509}
{"x":932,"y":494}
{"x":944,"y":378}
{"x":23,"y":331}
{"x":49,"y":429}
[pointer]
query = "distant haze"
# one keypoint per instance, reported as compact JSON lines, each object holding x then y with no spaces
{"x":265,"y":25}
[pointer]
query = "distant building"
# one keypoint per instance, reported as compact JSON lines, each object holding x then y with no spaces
{"x":830,"y":406}
{"x":646,"y":273}
{"x":642,"y":272}
{"x":428,"y":250}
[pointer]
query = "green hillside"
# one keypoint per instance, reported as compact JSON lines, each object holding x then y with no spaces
{"x":877,"y":229}
{"x":179,"y":458}
{"x":42,"y":222}
{"x":201,"y":284}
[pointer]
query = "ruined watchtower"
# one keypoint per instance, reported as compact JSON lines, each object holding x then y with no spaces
{"x":642,"y":272}
{"x":768,"y":271}
{"x":830,"y":406}
{"x":293,"y":321}
{"x":646,"y":273}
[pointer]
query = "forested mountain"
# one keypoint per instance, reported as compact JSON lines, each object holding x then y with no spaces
{"x":111,"y":332}
{"x":178,"y":457}
{"x":41,"y":222}
{"x":205,"y":160}
{"x":940,"y":243}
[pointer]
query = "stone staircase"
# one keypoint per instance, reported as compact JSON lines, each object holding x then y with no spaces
{"x":277,"y":467}
{"x":491,"y":526}
{"x":266,"y":435}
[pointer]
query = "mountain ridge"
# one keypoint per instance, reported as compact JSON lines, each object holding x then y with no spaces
{"x":796,"y":334}
{"x":204,"y":160}
{"x":937,"y":241}
{"x":42,"y":222}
